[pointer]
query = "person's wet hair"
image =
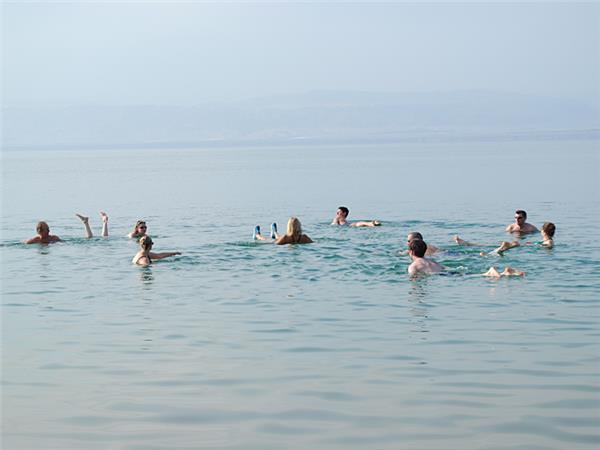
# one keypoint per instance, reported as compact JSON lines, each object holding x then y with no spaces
{"x":345,"y":210}
{"x":549,"y":228}
{"x":41,"y":226}
{"x":521,"y":213}
{"x":294,"y":228}
{"x":418,"y":247}
{"x":414,"y":235}
{"x":146,"y":242}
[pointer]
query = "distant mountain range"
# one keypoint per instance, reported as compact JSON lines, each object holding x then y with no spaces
{"x":313,"y":117}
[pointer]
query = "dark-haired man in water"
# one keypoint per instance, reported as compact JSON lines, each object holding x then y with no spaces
{"x":520,"y":225}
{"x":417,"y":249}
{"x":342,"y":214}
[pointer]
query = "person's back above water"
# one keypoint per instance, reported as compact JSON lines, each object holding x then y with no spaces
{"x":43,"y":235}
{"x":520,"y":225}
{"x":293,"y":235}
{"x":341,"y":216}
{"x":145,"y":256}
{"x":417,"y":249}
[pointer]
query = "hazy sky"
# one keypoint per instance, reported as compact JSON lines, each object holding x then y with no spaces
{"x":190,"y":53}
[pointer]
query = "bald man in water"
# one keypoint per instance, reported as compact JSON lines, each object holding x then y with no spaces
{"x":43,"y":235}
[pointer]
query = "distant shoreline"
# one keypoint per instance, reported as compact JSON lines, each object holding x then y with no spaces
{"x":424,"y":138}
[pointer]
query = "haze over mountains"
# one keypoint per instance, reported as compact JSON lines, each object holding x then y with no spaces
{"x":312,"y":117}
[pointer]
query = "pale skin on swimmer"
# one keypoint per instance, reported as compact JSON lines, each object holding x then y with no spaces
{"x":520,"y":225}
{"x":341,"y":216}
{"x":145,"y":256}
{"x":547,"y":235}
{"x":422,"y":265}
{"x":86,"y":223}
{"x":43,"y":235}
{"x":139,"y":230}
{"x":293,"y":235}
{"x":431,"y":249}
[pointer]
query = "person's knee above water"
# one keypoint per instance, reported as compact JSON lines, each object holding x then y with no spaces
{"x":417,"y":249}
{"x":507,"y":272}
{"x":43,"y":235}
{"x":341,"y":218}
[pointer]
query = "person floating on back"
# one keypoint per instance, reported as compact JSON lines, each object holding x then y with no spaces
{"x":145,"y":256}
{"x":293,"y":235}
{"x":520,"y":225}
{"x":341,"y":216}
{"x":43,"y":235}
{"x":547,"y":233}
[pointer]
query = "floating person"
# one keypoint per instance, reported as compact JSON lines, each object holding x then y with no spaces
{"x":422,"y":265}
{"x":86,"y":224}
{"x":520,"y":225}
{"x":293,"y":235}
{"x":416,"y":250}
{"x":43,"y":235}
{"x":547,"y":232}
{"x":139,"y":230}
{"x":145,"y":256}
{"x":341,"y":216}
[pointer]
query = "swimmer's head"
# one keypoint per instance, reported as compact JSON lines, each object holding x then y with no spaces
{"x":146,"y":242}
{"x":140,"y":227}
{"x":294,"y":228}
{"x":342,"y":210}
{"x":42,"y":227}
{"x":417,"y":247}
{"x":548,"y":229}
{"x":413,"y":235}
{"x":520,"y":215}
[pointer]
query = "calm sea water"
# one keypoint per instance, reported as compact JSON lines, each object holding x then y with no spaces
{"x":237,"y":345}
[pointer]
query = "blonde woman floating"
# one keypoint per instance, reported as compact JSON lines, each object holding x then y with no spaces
{"x":293,"y":235}
{"x":145,"y":256}
{"x":139,"y":230}
{"x":88,"y":230}
{"x":43,"y":235}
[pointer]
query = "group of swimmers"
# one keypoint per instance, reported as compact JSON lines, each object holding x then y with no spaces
{"x":143,"y":257}
{"x":417,"y":248}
